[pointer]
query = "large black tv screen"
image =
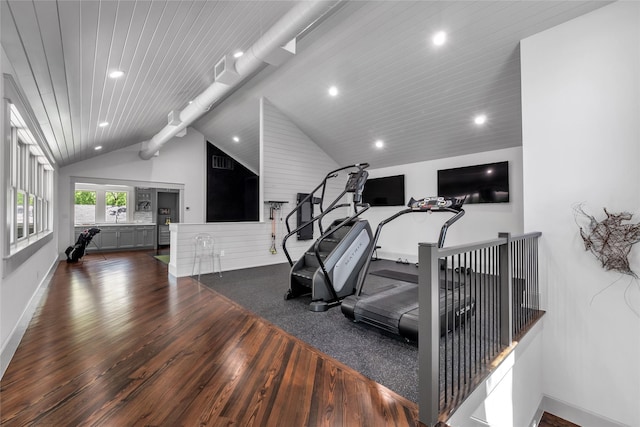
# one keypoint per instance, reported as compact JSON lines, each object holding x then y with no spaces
{"x":487,"y":183}
{"x":386,"y":191}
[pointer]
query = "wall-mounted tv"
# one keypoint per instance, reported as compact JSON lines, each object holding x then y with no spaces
{"x":385,"y":191}
{"x":487,"y":183}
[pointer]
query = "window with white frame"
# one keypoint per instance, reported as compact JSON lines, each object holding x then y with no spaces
{"x":116,"y":206}
{"x":30,"y":181}
{"x":102,"y":203}
{"x":84,"y":207}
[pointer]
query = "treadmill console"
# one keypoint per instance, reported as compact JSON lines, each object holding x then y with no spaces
{"x":436,"y":203}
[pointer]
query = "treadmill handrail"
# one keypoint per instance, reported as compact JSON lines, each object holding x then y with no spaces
{"x":445,"y":226}
{"x":443,"y":231}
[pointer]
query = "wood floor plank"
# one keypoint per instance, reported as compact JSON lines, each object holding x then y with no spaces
{"x":116,"y":341}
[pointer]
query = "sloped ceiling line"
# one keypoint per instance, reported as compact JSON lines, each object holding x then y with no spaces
{"x":288,"y":27}
{"x":393,"y":84}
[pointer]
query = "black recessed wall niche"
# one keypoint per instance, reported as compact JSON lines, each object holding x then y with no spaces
{"x":232,"y":189}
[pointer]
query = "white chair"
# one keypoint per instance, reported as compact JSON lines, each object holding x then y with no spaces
{"x":204,"y":250}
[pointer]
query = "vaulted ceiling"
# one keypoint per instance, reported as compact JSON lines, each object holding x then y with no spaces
{"x":394,"y":84}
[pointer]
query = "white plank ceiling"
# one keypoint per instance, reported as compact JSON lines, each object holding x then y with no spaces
{"x":394,"y":84}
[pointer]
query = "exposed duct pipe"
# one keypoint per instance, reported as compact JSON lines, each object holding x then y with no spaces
{"x":294,"y":22}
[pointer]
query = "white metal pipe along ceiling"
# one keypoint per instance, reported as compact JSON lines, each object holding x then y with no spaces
{"x":287,"y":28}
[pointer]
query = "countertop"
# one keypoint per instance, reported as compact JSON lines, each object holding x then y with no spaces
{"x":113,"y":224}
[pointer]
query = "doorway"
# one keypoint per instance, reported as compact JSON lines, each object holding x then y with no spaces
{"x":168,"y":212}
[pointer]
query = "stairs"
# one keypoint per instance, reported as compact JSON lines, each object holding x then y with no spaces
{"x":305,"y":269}
{"x":304,"y":276}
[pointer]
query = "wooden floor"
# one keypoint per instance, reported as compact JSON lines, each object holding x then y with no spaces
{"x":115,"y":342}
{"x":550,"y":420}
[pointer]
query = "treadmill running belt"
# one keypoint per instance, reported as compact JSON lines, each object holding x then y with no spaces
{"x":385,"y":308}
{"x":448,"y":280}
{"x":396,"y":275}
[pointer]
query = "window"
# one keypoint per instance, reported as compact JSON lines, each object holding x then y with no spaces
{"x":39,"y":212}
{"x":116,"y":206}
{"x":32,"y":214}
{"x":45,"y":218}
{"x":20,"y":217}
{"x":102,"y":203}
{"x":30,"y":182}
{"x":85,"y":207}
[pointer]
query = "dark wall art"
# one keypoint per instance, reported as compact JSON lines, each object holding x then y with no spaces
{"x":610,"y":240}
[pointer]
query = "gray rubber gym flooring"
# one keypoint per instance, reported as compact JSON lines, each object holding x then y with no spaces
{"x":388,"y":360}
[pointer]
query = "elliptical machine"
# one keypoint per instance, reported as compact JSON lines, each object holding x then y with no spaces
{"x":329,"y":269}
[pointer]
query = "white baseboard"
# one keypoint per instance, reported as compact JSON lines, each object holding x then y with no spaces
{"x":576,"y":415}
{"x":7,"y":352}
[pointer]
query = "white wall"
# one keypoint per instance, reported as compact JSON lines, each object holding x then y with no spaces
{"x":20,"y":293}
{"x":581,"y":144}
{"x":181,"y":161}
{"x":3,"y":203}
{"x":19,"y":286}
{"x":400,"y":238}
{"x":291,"y":163}
{"x":512,"y":392}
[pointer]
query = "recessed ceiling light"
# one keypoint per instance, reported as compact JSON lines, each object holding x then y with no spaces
{"x":439,"y":38}
{"x":236,"y":139}
{"x":116,"y":74}
{"x":99,"y":147}
{"x":379,"y":143}
{"x":333,"y":91}
{"x":103,"y":124}
{"x":480,"y":119}
{"x":238,"y":54}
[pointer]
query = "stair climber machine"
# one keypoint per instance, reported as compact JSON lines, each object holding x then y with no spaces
{"x":329,"y":269}
{"x":395,"y":308}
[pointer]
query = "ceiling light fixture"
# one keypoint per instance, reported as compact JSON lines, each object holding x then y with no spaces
{"x":236,"y":139}
{"x":439,"y":38}
{"x":379,"y":143}
{"x":238,"y":54}
{"x":333,"y":91}
{"x":116,"y":74}
{"x":103,"y":124}
{"x":99,"y":147}
{"x":480,"y":119}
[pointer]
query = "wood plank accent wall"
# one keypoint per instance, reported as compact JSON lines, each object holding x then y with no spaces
{"x":292,"y":163}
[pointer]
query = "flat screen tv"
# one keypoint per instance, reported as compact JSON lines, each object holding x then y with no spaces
{"x":385,"y":191}
{"x":487,"y":183}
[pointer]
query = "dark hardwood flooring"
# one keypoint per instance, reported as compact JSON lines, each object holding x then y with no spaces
{"x":115,"y":342}
{"x":550,"y":420}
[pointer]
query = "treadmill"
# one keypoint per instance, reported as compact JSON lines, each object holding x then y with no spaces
{"x":395,"y":307}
